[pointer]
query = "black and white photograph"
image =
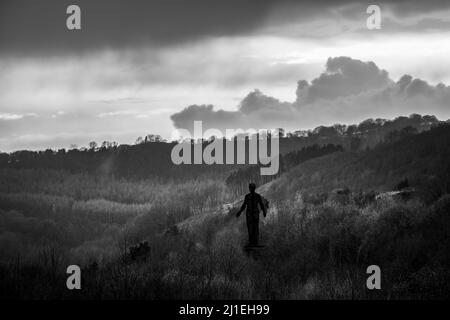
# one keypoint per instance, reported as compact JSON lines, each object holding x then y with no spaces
{"x":224,"y":150}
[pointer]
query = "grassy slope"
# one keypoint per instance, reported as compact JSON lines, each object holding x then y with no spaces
{"x":422,"y":158}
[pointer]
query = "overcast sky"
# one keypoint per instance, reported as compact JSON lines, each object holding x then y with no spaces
{"x":140,"y":67}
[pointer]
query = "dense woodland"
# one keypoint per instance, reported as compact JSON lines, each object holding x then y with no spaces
{"x":149,"y":157}
{"x":141,"y":227}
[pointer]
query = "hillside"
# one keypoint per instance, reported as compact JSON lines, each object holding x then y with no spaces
{"x":156,"y":239}
{"x":150,"y":157}
{"x":423,"y":159}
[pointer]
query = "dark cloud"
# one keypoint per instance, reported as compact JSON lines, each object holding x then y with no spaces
{"x":256,"y":101}
{"x":348,"y":90}
{"x":344,"y":76}
{"x":254,"y":111}
{"x":215,"y":119}
{"x":41,"y":26}
{"x":29,"y":27}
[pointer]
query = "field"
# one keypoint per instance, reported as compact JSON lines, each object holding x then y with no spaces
{"x":330,"y":217}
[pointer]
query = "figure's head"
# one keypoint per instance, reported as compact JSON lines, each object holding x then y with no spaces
{"x":252,"y":187}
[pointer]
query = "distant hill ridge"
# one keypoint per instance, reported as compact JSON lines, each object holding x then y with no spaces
{"x":150,"y":157}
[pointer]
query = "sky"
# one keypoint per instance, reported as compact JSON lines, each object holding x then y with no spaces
{"x":140,"y":67}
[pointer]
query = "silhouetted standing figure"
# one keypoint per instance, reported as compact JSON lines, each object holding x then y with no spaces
{"x":251,"y":202}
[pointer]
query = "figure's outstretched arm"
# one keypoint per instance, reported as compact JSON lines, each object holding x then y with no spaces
{"x":263,"y":207}
{"x":244,"y":204}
